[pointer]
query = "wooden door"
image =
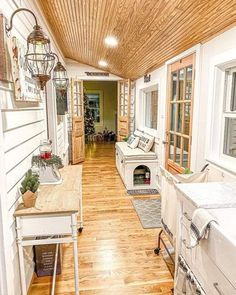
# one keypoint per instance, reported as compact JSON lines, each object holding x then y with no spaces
{"x":123,"y":117}
{"x":179,"y":116}
{"x":77,"y":115}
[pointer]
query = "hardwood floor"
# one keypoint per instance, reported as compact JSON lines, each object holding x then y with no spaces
{"x":115,"y":253}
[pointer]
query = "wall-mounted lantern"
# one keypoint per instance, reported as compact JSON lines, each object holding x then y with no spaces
{"x":38,"y":58}
{"x":60,"y":79}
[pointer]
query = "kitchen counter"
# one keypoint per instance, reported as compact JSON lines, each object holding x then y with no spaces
{"x":210,"y":195}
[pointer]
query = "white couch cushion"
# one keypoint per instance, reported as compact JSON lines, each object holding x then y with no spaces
{"x":134,"y":154}
{"x":133,"y":141}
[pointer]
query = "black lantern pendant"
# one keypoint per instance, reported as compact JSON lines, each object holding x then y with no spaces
{"x":60,"y":79}
{"x":38,"y":58}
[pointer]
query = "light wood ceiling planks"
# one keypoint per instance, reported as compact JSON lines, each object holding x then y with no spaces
{"x":149,"y":32}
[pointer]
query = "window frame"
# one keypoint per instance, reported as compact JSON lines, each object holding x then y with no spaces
{"x":151,"y":131}
{"x":101,"y":105}
{"x":226,"y":112}
{"x":217,"y":102}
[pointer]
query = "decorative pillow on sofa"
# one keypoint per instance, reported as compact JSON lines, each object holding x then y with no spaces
{"x":138,"y":133}
{"x":146,"y":142}
{"x":133,"y":141}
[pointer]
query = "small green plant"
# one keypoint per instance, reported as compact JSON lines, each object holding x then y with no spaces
{"x":40,"y":162}
{"x":30,"y":182}
{"x":187,"y":171}
{"x":125,"y":138}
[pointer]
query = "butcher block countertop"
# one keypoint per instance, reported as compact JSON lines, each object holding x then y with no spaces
{"x":58,"y":198}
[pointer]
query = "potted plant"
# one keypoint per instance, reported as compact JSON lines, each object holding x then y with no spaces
{"x":47,"y":169}
{"x":28,"y":189}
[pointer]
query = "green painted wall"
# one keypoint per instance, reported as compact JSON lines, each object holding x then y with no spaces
{"x":109,"y":90}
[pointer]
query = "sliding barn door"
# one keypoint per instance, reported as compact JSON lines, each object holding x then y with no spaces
{"x":77,"y":115}
{"x":179,"y":119}
{"x":123,"y":117}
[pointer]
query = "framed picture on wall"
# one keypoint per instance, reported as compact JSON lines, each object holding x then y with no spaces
{"x":5,"y":63}
{"x":26,"y":88}
{"x":62,"y":106}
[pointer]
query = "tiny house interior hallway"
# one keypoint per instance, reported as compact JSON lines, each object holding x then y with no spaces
{"x":115,"y":253}
{"x":172,"y":65}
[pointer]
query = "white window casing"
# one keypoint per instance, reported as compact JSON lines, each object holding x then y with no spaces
{"x":219,"y":110}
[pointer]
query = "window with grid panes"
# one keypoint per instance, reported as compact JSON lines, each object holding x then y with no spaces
{"x":94,"y":104}
{"x":229,"y":113}
{"x":151,"y":109}
{"x":180,"y":115}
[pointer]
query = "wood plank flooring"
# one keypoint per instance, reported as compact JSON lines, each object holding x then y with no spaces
{"x":115,"y":252}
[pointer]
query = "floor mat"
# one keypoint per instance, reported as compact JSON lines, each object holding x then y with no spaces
{"x":134,"y":192}
{"x":149,"y":212}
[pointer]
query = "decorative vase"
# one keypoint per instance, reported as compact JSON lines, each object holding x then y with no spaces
{"x":45,"y":149}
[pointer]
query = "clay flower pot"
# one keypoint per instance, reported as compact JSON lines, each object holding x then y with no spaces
{"x":29,"y":199}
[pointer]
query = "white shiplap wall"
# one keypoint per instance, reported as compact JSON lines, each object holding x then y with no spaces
{"x":22,"y":131}
{"x":22,"y":126}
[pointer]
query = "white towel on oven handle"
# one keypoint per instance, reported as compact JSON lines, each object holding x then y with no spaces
{"x":200,"y":225}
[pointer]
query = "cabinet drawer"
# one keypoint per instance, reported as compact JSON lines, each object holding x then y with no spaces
{"x":32,"y":226}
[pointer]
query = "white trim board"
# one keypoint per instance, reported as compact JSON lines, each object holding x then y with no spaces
{"x":215,"y":124}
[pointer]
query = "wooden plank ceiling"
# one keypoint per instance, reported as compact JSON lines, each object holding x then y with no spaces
{"x":149,"y":32}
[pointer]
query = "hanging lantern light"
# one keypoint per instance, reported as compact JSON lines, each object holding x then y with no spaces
{"x":38,"y":57}
{"x":60,"y":79}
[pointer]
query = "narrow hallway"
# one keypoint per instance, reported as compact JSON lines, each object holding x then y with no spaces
{"x":115,"y":253}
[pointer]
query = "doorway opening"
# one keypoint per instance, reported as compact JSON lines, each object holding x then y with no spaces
{"x":100,"y":111}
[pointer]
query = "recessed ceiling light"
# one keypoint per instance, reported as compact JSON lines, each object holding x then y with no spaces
{"x":111,"y":41}
{"x":103,"y":63}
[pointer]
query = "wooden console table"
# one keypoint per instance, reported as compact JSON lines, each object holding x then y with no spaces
{"x":55,"y":217}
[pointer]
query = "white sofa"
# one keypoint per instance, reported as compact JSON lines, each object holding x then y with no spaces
{"x":127,"y":162}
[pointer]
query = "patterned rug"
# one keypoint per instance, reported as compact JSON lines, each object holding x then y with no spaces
{"x":143,"y":192}
{"x":149,"y":212}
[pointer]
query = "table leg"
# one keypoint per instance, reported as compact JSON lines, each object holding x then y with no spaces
{"x":75,"y":252}
{"x":81,"y":212}
{"x":21,"y":257}
{"x":54,"y":271}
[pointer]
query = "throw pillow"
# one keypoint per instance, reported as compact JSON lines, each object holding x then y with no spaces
{"x":138,"y":133}
{"x":133,"y":141}
{"x":146,"y":142}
